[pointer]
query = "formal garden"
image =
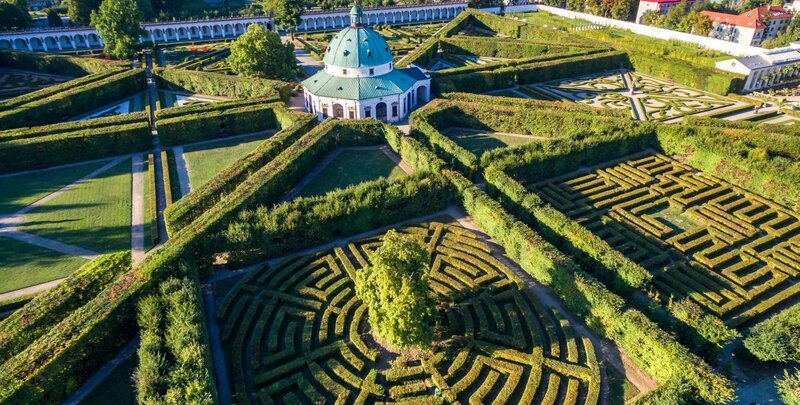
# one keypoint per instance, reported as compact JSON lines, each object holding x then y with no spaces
{"x":574,"y":218}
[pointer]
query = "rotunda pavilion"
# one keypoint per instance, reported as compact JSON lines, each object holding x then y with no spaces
{"x":360,"y":80}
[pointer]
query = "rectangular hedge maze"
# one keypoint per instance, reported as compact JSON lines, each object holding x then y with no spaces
{"x":732,"y":251}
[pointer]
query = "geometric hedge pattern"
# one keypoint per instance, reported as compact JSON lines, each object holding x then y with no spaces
{"x":18,"y":82}
{"x":733,"y":252}
{"x":651,"y":99}
{"x":297,"y":333}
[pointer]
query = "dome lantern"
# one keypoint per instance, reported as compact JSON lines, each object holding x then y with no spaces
{"x":356,"y":16}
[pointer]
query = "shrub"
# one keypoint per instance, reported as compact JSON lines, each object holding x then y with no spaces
{"x":789,"y":387}
{"x":777,"y":338}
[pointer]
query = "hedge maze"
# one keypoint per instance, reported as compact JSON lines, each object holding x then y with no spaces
{"x":733,"y":252}
{"x":13,"y":82}
{"x":296,"y":332}
{"x":647,"y":98}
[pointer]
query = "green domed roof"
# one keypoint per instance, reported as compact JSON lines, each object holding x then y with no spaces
{"x":357,"y":47}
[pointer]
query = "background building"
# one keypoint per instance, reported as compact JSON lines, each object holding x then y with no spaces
{"x":751,"y":27}
{"x":360,"y":81}
{"x":771,"y":68}
{"x":659,"y":6}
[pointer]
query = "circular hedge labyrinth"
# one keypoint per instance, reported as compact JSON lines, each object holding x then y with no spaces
{"x":296,"y":333}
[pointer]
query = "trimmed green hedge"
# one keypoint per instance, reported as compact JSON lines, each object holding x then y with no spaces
{"x":192,"y":205}
{"x":215,"y":84}
{"x":55,"y":64}
{"x":203,"y":108}
{"x":652,"y":349}
{"x":72,"y":126}
{"x":216,"y":124}
{"x":175,"y":363}
{"x":704,"y":78}
{"x":74,"y":101}
{"x":48,"y":308}
{"x":70,"y":147}
{"x":499,"y":47}
{"x":263,"y":233}
{"x":483,"y":81}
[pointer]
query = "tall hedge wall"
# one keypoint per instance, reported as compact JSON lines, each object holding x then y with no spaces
{"x":479,"y":82}
{"x":216,"y":124}
{"x":704,"y":78}
{"x":72,"y":126}
{"x":216,"y":84}
{"x":70,"y":147}
{"x":75,"y":100}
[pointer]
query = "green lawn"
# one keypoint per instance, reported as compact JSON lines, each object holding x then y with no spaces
{"x":620,"y":389}
{"x":352,"y":167}
{"x":23,"y":265}
{"x":206,"y":160}
{"x":480,"y":142}
{"x":117,"y":388}
{"x":95,"y":215}
{"x":22,"y":190}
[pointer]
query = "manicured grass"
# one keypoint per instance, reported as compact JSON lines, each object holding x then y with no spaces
{"x":352,"y":167}
{"x":22,"y":190}
{"x":480,"y":142}
{"x":117,"y":388}
{"x":620,"y":390}
{"x":206,"y":160}
{"x":23,"y":265}
{"x":94,"y":215}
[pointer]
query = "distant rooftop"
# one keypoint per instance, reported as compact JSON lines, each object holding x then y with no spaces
{"x":754,"y":18}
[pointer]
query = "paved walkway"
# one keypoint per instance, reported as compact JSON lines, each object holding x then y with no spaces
{"x":215,"y":341}
{"x":137,"y":209}
{"x":81,"y":393}
{"x":24,"y":292}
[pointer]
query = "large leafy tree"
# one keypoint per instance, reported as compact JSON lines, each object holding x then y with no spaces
{"x":80,"y":11}
{"x":285,"y":13}
{"x":118,"y":23}
{"x":396,"y":291}
{"x":12,"y":18}
{"x":53,"y":19}
{"x":18,"y":18}
{"x":260,"y":53}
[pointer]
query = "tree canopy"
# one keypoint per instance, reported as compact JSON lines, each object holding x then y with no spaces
{"x":285,"y":13}
{"x":53,"y":19}
{"x":396,"y":291}
{"x":260,"y":53}
{"x":12,"y":17}
{"x":118,"y":24}
{"x":80,"y":11}
{"x":789,"y":387}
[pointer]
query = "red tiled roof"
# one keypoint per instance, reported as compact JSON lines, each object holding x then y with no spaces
{"x":749,"y":19}
{"x":666,"y":1}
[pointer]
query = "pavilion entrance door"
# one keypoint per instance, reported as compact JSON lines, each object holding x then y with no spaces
{"x":380,"y":111}
{"x":338,"y":111}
